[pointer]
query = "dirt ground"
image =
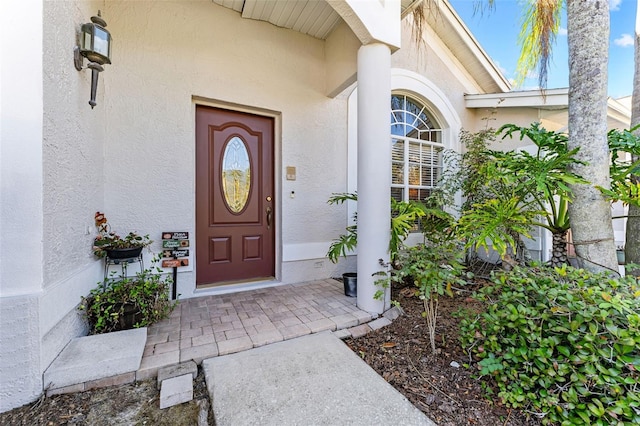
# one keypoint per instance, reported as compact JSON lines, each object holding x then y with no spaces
{"x":448,"y":395}
{"x":131,"y":404}
{"x":400,"y":353}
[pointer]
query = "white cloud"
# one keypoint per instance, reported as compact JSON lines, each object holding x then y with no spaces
{"x":502,"y":69}
{"x":562,"y":31}
{"x":614,"y":4}
{"x":624,"y":40}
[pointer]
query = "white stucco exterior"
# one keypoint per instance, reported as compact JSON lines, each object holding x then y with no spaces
{"x":133,"y":155}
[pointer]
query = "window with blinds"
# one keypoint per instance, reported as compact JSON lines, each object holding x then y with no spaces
{"x":416,"y":150}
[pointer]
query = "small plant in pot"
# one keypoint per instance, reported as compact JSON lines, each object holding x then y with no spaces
{"x":110,"y":244}
{"x":124,"y":303}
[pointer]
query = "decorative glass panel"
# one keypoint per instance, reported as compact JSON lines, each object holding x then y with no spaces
{"x":236,"y":174}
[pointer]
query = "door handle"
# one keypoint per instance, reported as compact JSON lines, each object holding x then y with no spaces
{"x":269,"y":214}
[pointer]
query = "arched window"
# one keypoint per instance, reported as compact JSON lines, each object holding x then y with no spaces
{"x":416,"y":149}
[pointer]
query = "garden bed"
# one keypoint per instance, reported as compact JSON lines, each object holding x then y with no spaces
{"x":448,"y":395}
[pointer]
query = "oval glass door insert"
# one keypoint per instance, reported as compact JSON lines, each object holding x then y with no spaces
{"x":236,"y":174}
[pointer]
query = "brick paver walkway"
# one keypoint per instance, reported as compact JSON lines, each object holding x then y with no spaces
{"x":206,"y":327}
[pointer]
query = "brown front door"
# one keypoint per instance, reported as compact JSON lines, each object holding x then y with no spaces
{"x":235,"y":217}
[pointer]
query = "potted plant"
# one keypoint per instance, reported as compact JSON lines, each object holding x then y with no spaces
{"x":110,"y":244}
{"x":124,"y":303}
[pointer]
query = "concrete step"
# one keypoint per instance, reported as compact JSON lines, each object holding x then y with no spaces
{"x":96,"y":361}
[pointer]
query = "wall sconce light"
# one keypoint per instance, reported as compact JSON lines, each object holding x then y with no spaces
{"x":95,"y":45}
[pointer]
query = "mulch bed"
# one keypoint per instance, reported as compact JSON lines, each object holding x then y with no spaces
{"x":448,"y":395}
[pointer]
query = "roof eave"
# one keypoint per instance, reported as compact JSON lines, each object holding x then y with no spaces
{"x":449,"y":26}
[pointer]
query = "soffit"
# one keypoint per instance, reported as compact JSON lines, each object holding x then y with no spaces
{"x":312,"y":17}
{"x":318,"y":19}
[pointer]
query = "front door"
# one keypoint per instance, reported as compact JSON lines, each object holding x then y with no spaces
{"x":235,"y":217}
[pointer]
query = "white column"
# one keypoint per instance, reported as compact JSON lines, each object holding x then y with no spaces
{"x":21,"y":146}
{"x":21,"y":179}
{"x":374,"y":171}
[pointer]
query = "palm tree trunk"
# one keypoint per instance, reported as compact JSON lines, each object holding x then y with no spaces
{"x":590,"y":212}
{"x":559,"y":255}
{"x":632,"y":243}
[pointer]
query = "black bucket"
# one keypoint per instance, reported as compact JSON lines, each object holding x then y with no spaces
{"x":350,"y":280}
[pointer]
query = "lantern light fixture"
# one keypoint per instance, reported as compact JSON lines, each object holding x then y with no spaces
{"x":95,"y":45}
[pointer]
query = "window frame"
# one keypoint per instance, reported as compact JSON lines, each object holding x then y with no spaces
{"x":399,"y":119}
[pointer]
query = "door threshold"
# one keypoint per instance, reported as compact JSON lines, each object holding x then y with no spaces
{"x":235,"y":286}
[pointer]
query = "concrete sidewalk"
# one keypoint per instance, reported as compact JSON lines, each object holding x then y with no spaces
{"x":310,"y":380}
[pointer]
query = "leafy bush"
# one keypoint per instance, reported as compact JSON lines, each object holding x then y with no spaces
{"x":433,"y":269}
{"x":563,"y":343}
{"x":145,"y":297}
{"x":404,"y":215}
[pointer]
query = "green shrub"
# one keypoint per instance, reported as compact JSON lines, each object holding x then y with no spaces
{"x":433,"y":269}
{"x":128,"y":302}
{"x":562,"y":343}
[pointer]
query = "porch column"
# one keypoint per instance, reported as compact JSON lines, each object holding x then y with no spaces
{"x":21,"y":200}
{"x":374,"y":171}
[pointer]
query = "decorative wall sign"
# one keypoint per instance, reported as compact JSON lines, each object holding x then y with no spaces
{"x":173,"y":243}
{"x":175,"y":235}
{"x":175,"y":253}
{"x":175,"y":263}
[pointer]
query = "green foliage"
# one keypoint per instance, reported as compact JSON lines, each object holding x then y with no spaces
{"x":109,"y":240}
{"x":544,"y":177}
{"x":563,"y":343}
{"x":540,"y":25}
{"x":433,"y":269}
{"x":495,"y":221}
{"x":515,"y":188}
{"x":403,"y":219}
{"x":147,"y":292}
{"x":404,"y":215}
{"x":469,"y":176}
{"x":624,"y":186}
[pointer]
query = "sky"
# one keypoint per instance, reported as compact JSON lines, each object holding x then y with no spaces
{"x":497,"y":32}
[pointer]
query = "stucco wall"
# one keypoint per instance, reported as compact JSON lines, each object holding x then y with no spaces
{"x":435,"y":62}
{"x":166,"y":53}
{"x":72,"y":150}
{"x":72,"y":147}
{"x":20,"y":202}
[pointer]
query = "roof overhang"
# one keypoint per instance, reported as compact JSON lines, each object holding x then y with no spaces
{"x":549,"y":99}
{"x":553,"y":104}
{"x":316,"y":18}
{"x":448,"y":25}
{"x":319,"y":18}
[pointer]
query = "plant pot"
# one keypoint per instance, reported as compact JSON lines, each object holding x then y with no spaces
{"x":124,"y":253}
{"x":621,"y":257}
{"x":350,"y":281}
{"x":131,"y":315}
